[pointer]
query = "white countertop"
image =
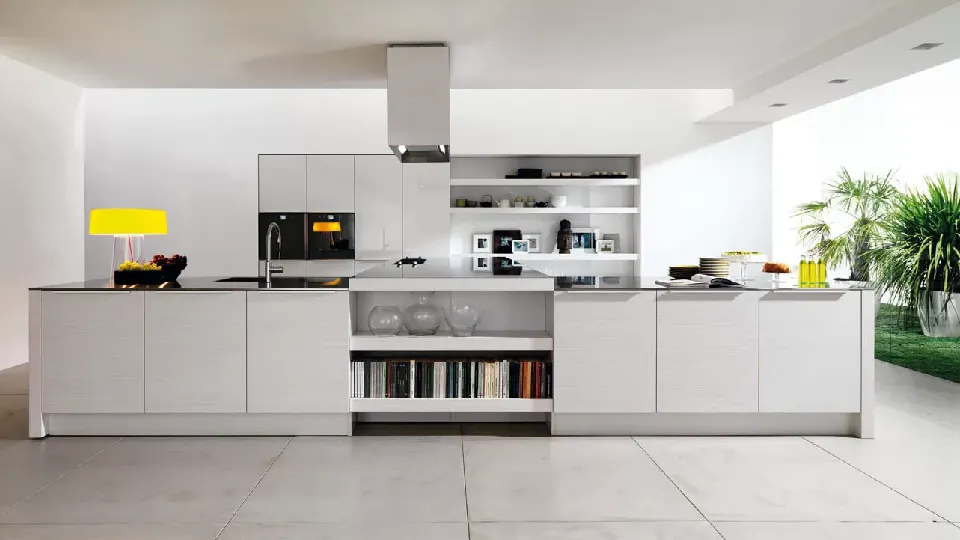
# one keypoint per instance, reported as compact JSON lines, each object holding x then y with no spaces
{"x":446,"y":275}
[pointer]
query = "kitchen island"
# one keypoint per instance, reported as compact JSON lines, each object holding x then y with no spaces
{"x":208,"y":357}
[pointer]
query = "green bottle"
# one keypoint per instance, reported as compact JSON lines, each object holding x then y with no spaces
{"x":821,"y":272}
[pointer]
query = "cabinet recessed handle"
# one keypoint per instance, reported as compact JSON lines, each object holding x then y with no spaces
{"x":93,"y":291}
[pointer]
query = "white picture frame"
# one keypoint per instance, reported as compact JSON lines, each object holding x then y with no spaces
{"x":585,"y":236}
{"x":533,"y":241}
{"x":482,"y":264}
{"x":521,"y":246}
{"x":483,"y":243}
{"x":606,"y":246}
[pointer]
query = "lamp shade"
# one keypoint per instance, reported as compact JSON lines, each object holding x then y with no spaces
{"x":326,"y":226}
{"x":121,"y":221}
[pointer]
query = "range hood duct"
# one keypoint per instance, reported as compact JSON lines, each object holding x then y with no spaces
{"x":418,"y":102}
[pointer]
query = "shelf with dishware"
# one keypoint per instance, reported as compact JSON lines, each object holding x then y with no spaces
{"x":548,"y":210}
{"x":444,"y":340}
{"x":579,"y":256}
{"x":555,"y":181}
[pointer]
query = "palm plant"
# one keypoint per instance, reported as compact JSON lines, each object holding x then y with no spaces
{"x":920,"y":267}
{"x":865,"y":203}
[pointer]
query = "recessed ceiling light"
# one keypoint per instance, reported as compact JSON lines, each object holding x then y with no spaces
{"x":926,"y":46}
{"x":778,"y":105}
{"x":838,"y":81}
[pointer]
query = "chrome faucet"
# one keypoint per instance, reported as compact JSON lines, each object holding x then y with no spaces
{"x":269,"y":268}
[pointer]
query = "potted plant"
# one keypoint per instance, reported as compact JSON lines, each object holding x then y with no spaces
{"x":861,"y":206}
{"x":920,"y":267}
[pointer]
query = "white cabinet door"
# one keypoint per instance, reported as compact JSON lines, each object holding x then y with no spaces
{"x":195,"y":357}
{"x":298,"y":351}
{"x":283,"y":183}
{"x":379,"y":227}
{"x":426,"y":210}
{"x":605,"y":348}
{"x":707,"y":353}
{"x":330,"y":268}
{"x":92,"y":351}
{"x":330,"y":183}
{"x":810,"y":351}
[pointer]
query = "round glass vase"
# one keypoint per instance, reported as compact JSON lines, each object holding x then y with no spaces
{"x":422,"y":318}
{"x":385,"y":320}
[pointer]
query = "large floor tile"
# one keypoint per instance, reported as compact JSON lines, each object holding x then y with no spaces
{"x":15,"y":426}
{"x":839,"y":531}
{"x":362,"y":479}
{"x":155,"y":480}
{"x":572,"y":479}
{"x":594,"y":530}
{"x":775,"y":479}
{"x":111,"y":532}
{"x":345,"y":531}
{"x":27,"y":466}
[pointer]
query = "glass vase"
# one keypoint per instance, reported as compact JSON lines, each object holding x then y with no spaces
{"x":385,"y":321}
{"x":422,"y":318}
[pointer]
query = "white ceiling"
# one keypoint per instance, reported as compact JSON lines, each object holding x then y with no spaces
{"x":494,"y":43}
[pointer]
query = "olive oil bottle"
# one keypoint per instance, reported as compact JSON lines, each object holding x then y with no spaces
{"x":804,"y":272}
{"x":821,"y":273}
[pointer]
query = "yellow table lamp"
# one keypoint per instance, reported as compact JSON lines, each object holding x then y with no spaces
{"x":127,"y":226}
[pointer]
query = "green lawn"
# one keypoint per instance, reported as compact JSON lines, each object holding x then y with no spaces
{"x":905,"y":345}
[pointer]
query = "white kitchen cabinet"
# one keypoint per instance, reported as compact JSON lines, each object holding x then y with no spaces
{"x":330,"y":183}
{"x":810,"y":351}
{"x":605,"y":349}
{"x":283,"y":183}
{"x":707,"y":351}
{"x":379,"y":226}
{"x":330,"y":268}
{"x":298,"y":351}
{"x":426,"y":210}
{"x":92,"y":351}
{"x":195,"y":355}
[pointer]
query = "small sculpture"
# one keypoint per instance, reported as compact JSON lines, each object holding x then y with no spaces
{"x":564,"y":237}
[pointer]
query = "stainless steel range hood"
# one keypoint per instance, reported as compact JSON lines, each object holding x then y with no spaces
{"x":418,"y":102}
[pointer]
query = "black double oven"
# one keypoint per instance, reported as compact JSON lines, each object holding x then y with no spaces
{"x":309,"y":235}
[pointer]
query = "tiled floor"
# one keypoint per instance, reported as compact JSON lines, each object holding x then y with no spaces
{"x":455,"y":482}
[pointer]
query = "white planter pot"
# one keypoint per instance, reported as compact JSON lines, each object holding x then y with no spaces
{"x":940,"y":318}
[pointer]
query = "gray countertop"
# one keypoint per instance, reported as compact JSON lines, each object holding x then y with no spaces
{"x":640,"y":283}
{"x":441,"y":269}
{"x":210,"y":284}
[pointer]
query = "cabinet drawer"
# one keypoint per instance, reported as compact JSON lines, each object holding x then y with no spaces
{"x":707,"y":352}
{"x":195,"y":358}
{"x":92,"y":351}
{"x":810,"y":355}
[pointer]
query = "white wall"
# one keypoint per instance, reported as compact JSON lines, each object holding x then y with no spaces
{"x":909,"y":125}
{"x":41,"y":194}
{"x":194,"y":152}
{"x":710,"y":200}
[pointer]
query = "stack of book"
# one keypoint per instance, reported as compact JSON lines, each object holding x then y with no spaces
{"x":523,"y":379}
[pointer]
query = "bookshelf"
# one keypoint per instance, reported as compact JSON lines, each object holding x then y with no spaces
{"x":503,"y":340}
{"x":450,"y":405}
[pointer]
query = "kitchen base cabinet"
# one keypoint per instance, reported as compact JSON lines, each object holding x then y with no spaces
{"x":298,"y":351}
{"x":810,"y":351}
{"x":195,"y":352}
{"x":604,"y":357}
{"x":707,"y":357}
{"x":92,"y":351}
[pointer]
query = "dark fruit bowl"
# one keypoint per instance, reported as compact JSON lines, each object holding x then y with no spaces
{"x":171,"y":274}
{"x":139,"y":277}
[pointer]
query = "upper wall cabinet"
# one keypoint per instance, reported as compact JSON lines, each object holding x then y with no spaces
{"x":283,"y":183}
{"x":330,"y":183}
{"x":379,"y":233}
{"x":426,"y":210}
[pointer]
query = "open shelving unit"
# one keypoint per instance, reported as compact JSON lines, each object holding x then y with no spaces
{"x":562,"y":256}
{"x":565,"y":210}
{"x":449,"y":405}
{"x":503,"y":340}
{"x":578,"y":181}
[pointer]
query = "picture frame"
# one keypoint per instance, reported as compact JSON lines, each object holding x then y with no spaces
{"x":606,"y":246}
{"x":483,"y":243}
{"x":585,"y":239}
{"x":533,"y":242}
{"x":482,"y":264}
{"x":521,"y":246}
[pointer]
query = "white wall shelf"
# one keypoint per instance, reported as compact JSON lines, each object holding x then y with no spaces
{"x":567,"y":210}
{"x":503,"y":340}
{"x":562,"y":256}
{"x":546,"y":182}
{"x":450,"y":405}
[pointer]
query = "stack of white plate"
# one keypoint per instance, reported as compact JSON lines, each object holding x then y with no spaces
{"x":715,"y":266}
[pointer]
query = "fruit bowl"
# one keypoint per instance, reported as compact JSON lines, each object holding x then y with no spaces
{"x":139,"y":277}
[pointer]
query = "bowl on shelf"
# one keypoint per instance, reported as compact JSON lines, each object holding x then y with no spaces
{"x":463,"y":319}
{"x":385,"y":321}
